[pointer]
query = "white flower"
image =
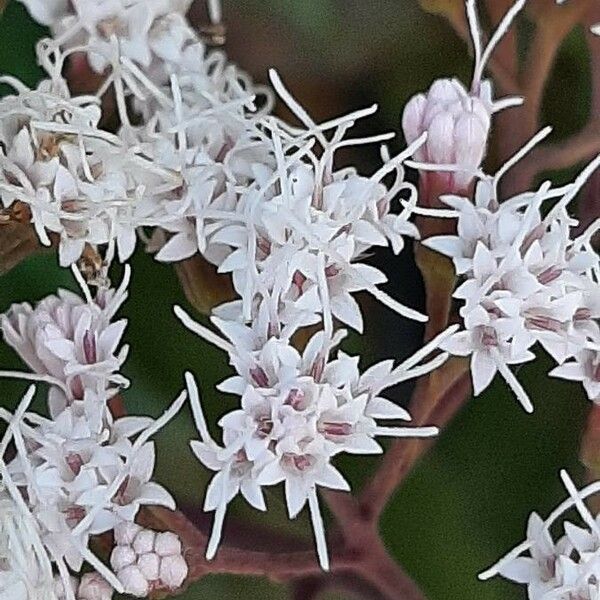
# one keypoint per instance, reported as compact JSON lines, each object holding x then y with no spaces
{"x":144,"y":29}
{"x":298,"y":411}
{"x":525,"y":281}
{"x":585,"y":368}
{"x":71,"y":339}
{"x":566,"y":569}
{"x":70,"y":482}
{"x":78,"y":181}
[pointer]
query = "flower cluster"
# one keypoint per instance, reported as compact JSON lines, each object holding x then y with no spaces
{"x":525,"y":281}
{"x":298,"y":411}
{"x":79,"y":184}
{"x":200,"y":165}
{"x":200,"y":161}
{"x":146,"y":561}
{"x":74,"y":342}
{"x":558,"y":569}
{"x":145,"y":32}
{"x":80,"y":472}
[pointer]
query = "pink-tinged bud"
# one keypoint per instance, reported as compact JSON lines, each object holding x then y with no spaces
{"x":134,"y":582}
{"x":440,"y":139}
{"x":125,"y":533}
{"x":412,"y":117}
{"x":59,"y":587}
{"x":167,"y":543}
{"x":173,"y":571}
{"x":470,"y":142}
{"x":94,"y":587}
{"x":144,"y":542}
{"x":445,"y":92}
{"x":121,"y":557}
{"x":457,"y":123}
{"x":149,"y":565}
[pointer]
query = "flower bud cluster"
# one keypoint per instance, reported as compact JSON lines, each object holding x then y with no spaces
{"x":91,"y":586}
{"x":457,"y":125}
{"x":145,"y":560}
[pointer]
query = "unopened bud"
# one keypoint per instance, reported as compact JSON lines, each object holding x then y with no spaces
{"x":121,"y":557}
{"x":59,"y":587}
{"x":149,"y":565}
{"x":173,"y":571}
{"x":133,"y":581}
{"x":94,"y":587}
{"x":167,"y":543}
{"x":457,"y":124}
{"x":144,"y":542}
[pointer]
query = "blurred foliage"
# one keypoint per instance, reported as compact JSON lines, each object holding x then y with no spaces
{"x":468,"y":501}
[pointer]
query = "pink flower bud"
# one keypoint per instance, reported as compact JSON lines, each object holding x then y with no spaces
{"x":133,"y":581}
{"x":94,"y":587}
{"x":167,"y":543}
{"x":149,"y":565}
{"x":440,"y":140}
{"x":144,"y":542}
{"x":122,"y":556}
{"x":457,"y":123}
{"x":173,"y":571}
{"x":412,"y":118}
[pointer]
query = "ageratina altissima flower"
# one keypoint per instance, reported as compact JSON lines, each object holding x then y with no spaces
{"x":73,"y":342}
{"x":296,"y":234}
{"x":457,"y":120}
{"x":145,"y":31}
{"x":69,"y":484}
{"x":298,"y":411}
{"x":80,"y":472}
{"x":561,"y":567}
{"x":80,"y":184}
{"x":203,"y":126}
{"x":525,"y":280}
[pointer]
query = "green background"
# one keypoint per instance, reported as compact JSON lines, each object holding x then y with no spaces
{"x":467,"y":502}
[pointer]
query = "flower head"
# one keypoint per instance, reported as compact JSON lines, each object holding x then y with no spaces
{"x":568,"y":568}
